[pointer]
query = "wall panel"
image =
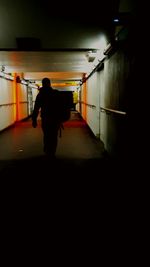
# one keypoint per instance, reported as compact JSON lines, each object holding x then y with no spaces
{"x":7,"y":103}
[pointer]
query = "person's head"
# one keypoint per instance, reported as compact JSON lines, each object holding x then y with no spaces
{"x":46,"y":82}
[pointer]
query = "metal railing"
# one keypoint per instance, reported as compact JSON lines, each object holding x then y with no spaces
{"x":89,"y":105}
{"x":8,"y":104}
{"x":114,"y":111}
{"x":23,"y":102}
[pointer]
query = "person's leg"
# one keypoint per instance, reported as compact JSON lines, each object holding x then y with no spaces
{"x":50,"y":139}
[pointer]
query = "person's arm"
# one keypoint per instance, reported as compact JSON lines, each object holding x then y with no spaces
{"x":35,"y":112}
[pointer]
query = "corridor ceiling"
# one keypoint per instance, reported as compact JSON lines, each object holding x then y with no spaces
{"x":69,"y":34}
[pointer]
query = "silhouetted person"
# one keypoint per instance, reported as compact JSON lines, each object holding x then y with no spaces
{"x":47,"y":102}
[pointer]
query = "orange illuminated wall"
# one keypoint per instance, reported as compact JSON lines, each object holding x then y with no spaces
{"x":16,"y":88}
{"x":15,"y":97}
{"x":84,"y":97}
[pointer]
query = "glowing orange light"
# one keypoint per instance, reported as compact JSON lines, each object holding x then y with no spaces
{"x":15,"y":97}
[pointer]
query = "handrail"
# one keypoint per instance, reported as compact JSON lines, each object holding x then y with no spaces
{"x":23,"y":102}
{"x":89,"y":105}
{"x":109,"y":110}
{"x":9,"y":104}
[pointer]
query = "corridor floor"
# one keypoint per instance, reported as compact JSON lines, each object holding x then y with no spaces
{"x":79,"y":153}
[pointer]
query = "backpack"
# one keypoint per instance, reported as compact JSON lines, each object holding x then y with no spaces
{"x":66,"y":103}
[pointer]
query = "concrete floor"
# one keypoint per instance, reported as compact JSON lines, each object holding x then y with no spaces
{"x":21,"y":150}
